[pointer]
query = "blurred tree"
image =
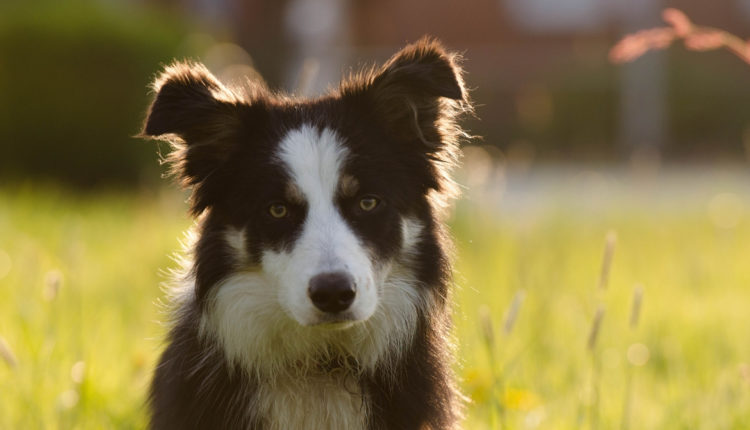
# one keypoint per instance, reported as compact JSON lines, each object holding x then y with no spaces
{"x":74,"y":87}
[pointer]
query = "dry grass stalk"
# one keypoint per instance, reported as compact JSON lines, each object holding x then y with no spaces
{"x":609,"y":251}
{"x":485,"y":322}
{"x":635,"y":309}
{"x":595,"y":327}
{"x":488,"y":336}
{"x":512,"y":313}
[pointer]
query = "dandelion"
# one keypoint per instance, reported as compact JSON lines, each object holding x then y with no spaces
{"x":519,"y":399}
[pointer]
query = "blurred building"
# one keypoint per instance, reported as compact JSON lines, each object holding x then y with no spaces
{"x":538,"y":71}
{"x":538,"y":68}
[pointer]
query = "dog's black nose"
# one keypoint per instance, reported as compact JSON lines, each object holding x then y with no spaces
{"x":332,"y":292}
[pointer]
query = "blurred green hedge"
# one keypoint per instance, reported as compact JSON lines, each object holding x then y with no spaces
{"x":706,"y":97}
{"x":74,"y":88}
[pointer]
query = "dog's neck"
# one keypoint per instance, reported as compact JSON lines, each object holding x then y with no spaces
{"x":328,"y":397}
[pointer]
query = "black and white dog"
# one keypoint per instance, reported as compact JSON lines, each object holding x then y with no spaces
{"x":316,"y":292}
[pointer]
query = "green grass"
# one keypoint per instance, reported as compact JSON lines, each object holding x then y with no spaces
{"x":105,"y":252}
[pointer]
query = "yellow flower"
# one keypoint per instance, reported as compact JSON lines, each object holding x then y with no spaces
{"x":519,"y":399}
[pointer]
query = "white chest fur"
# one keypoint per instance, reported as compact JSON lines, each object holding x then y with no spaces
{"x":320,"y":402}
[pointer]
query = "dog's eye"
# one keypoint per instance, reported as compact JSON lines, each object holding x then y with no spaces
{"x":278,"y":210}
{"x":368,"y":203}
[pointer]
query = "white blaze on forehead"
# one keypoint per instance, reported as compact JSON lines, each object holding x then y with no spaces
{"x":314,"y":159}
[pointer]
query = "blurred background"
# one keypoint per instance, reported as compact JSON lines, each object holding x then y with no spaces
{"x":75,"y":75}
{"x":576,"y":155}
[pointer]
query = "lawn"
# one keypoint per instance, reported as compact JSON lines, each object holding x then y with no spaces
{"x":80,"y":290}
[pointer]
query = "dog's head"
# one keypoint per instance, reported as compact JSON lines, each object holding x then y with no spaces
{"x":309,"y":207}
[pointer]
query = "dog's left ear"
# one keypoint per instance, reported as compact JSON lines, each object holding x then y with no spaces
{"x":417,"y":89}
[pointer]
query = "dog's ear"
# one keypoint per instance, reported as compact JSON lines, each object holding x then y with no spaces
{"x":417,"y":89}
{"x":200,"y":117}
{"x":416,"y":98}
{"x":189,"y":103}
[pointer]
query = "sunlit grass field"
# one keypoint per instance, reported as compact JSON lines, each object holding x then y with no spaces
{"x":79,"y":313}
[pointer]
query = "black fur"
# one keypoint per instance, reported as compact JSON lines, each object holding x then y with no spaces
{"x":194,"y":387}
{"x":399,"y":124}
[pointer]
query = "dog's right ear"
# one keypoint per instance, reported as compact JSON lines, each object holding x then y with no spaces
{"x":200,"y":117}
{"x":190,"y":103}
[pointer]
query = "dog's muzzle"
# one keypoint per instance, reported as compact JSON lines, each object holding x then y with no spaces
{"x":332,"y":292}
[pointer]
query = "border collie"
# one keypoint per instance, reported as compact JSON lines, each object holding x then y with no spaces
{"x":316,"y":286}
